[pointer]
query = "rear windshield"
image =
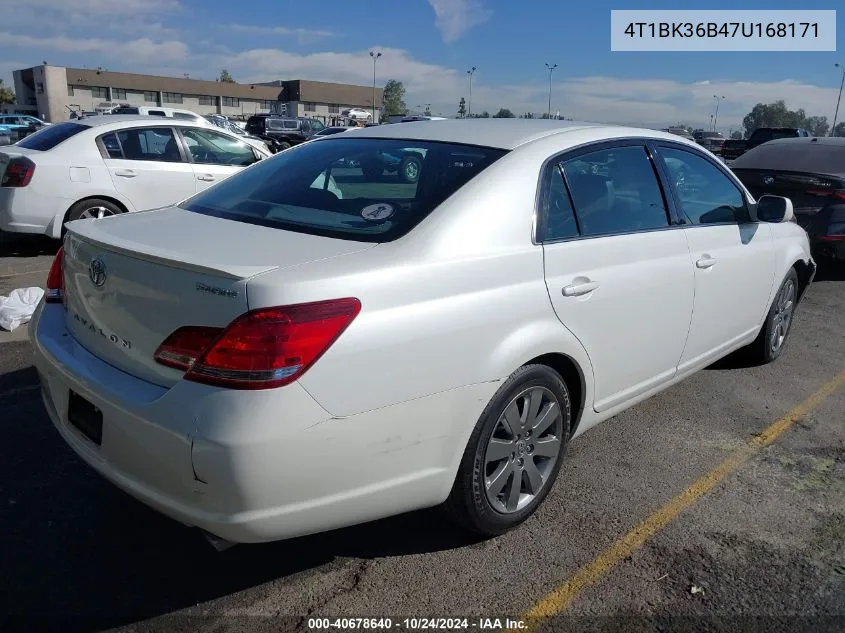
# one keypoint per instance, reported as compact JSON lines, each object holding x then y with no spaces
{"x":362,"y":189}
{"x":804,"y":155}
{"x":50,"y":136}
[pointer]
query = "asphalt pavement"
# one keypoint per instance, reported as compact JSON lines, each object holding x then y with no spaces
{"x":716,"y":505}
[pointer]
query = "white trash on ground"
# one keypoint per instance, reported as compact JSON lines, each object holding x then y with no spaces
{"x":18,"y":307}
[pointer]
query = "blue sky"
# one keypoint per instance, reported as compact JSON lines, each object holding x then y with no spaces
{"x":428,"y":44}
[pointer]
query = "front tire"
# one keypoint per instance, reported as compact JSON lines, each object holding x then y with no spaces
{"x":771,"y":341}
{"x":514,"y":453}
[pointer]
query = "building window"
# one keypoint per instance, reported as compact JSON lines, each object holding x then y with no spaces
{"x":69,"y":90}
{"x":310,"y":107}
{"x":334,"y":109}
{"x":99,"y":93}
{"x":266,"y":105}
{"x":171,"y":97}
{"x":150,"y":97}
{"x":231,"y":102}
{"x":118,"y":93}
{"x":39,"y":88}
{"x":206,"y":100}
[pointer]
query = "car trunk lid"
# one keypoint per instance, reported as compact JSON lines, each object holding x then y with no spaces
{"x":809,"y":192}
{"x":132,"y":280}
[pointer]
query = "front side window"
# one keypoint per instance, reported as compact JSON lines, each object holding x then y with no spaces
{"x":356,"y":189}
{"x":154,"y":144}
{"x":615,"y":191}
{"x":212,"y":148}
{"x":316,"y":126}
{"x":705,"y":194}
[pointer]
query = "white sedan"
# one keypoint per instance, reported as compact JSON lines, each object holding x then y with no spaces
{"x":112,"y":164}
{"x":272,"y":357}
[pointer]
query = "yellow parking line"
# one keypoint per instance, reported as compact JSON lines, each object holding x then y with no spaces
{"x":593,"y":572}
{"x":25,"y":272}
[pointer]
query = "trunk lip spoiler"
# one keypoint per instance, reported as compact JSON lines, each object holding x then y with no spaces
{"x":145,"y":252}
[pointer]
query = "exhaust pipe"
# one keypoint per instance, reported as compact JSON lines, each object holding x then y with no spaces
{"x":219,"y":544}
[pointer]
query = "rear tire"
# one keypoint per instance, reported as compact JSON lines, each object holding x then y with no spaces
{"x":484,"y":498}
{"x":92,"y":208}
{"x":771,"y":341}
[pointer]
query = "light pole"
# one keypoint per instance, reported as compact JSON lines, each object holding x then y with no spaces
{"x":470,"y":72}
{"x":716,"y":118}
{"x":838,"y":99}
{"x":375,"y":57}
{"x":551,"y":69}
{"x":711,"y":122}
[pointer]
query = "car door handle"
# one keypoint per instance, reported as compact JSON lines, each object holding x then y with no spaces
{"x":580,"y":286}
{"x":705,"y":262}
{"x":125,"y":173}
{"x":206,"y":177}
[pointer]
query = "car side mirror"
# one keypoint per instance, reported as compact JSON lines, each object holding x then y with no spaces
{"x":774,"y":209}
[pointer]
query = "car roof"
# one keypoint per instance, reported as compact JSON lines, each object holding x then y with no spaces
{"x":130,"y":120}
{"x":500,"y":133}
{"x":809,"y":140}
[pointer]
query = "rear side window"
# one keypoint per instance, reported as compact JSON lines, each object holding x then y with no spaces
{"x":185,"y":115}
{"x":156,"y":113}
{"x":557,"y":212}
{"x":156,"y":144}
{"x":48,"y":137}
{"x":615,"y":191}
{"x":364,"y":189}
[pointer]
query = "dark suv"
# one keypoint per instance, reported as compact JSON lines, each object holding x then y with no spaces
{"x":280,"y":132}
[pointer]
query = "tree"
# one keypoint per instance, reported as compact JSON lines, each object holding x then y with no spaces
{"x":527,"y":115}
{"x":484,"y":115}
{"x":736,"y":135}
{"x":427,"y":110}
{"x":225,"y":77}
{"x":504,"y":113}
{"x":839,"y":130}
{"x":462,"y":108}
{"x":774,"y":115}
{"x":394,"y":98}
{"x":7,"y":95}
{"x":818,"y":125}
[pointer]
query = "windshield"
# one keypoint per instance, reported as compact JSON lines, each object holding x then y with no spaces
{"x":50,"y":136}
{"x":363,"y":189}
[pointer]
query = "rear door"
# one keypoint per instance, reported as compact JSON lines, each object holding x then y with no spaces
{"x":617,"y":267}
{"x":732,"y":257}
{"x":215,"y":156}
{"x":147,"y":166}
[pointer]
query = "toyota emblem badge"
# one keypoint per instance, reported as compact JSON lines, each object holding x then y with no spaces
{"x":97,"y":272}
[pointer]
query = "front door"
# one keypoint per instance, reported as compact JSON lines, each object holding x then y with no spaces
{"x":733,"y":257}
{"x":215,"y":156}
{"x":617,"y":271}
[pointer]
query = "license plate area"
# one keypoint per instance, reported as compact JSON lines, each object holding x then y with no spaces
{"x":85,"y":417}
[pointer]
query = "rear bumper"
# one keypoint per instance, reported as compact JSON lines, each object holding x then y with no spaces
{"x":24,"y":210}
{"x":251,"y":466}
{"x":828,"y":249}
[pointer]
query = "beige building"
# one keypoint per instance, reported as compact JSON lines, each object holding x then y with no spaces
{"x":54,"y":91}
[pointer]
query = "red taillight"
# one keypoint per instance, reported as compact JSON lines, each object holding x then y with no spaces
{"x":839,"y":195}
{"x":832,"y":238}
{"x":18,"y":172}
{"x":182,"y":348}
{"x":56,"y":280}
{"x":261,"y":349}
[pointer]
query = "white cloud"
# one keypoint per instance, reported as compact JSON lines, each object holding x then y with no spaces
{"x":303,"y":35}
{"x":137,"y":51}
{"x":454,"y":17}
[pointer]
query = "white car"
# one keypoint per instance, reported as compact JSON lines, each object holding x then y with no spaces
{"x":357,"y":114}
{"x":268,"y":359}
{"x":110,"y":165}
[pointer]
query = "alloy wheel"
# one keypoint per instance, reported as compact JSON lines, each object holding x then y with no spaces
{"x":523,"y":449}
{"x":782,"y":318}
